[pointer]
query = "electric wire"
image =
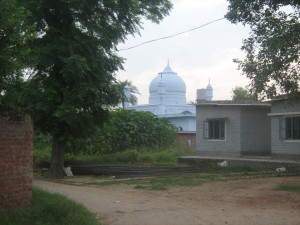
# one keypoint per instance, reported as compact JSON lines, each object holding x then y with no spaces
{"x":170,"y":36}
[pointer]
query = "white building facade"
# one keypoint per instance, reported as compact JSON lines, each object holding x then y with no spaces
{"x":168,"y":99}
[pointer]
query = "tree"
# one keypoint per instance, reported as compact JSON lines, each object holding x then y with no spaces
{"x":133,"y":91}
{"x":241,"y":94}
{"x":74,"y":63}
{"x":273,"y":48}
{"x":14,"y":32}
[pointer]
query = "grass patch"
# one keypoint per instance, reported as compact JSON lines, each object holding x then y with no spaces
{"x":140,"y":186}
{"x":158,"y":187}
{"x":49,"y":209}
{"x":211,"y":172}
{"x":150,"y":157}
{"x":288,"y":187}
{"x":155,"y":157}
{"x":163,"y":183}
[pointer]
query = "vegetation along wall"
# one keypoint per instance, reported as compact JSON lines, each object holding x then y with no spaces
{"x":16,"y":138}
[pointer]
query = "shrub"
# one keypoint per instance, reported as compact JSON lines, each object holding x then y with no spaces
{"x":127,"y":129}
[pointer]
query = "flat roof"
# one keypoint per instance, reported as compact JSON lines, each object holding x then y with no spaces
{"x":233,"y":103}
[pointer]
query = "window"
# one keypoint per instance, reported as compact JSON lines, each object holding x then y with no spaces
{"x":292,"y":128}
{"x":214,"y":129}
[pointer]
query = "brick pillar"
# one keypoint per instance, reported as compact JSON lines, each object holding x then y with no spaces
{"x":16,"y":138}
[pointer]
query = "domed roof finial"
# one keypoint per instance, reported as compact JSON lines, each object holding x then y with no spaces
{"x":209,"y":85}
{"x":168,"y":62}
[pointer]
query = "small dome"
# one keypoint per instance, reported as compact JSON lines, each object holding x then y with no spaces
{"x":173,"y":83}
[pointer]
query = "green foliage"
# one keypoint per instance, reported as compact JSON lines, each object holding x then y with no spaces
{"x":42,"y":155}
{"x":133,"y":91}
{"x":41,"y":148}
{"x":163,"y":183}
{"x":210,"y":172}
{"x":272,"y":50}
{"x":41,"y":140}
{"x":74,"y":60}
{"x":141,"y":129}
{"x":241,"y":94}
{"x":126,"y":157}
{"x":128,"y":129}
{"x":49,"y":209}
{"x":288,"y":187}
{"x":148,"y":157}
{"x":14,"y":33}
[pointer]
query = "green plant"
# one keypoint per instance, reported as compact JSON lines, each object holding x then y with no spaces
{"x":127,"y":129}
{"x":288,"y":187}
{"x":162,"y":183}
{"x":49,"y":209}
{"x":149,"y":157}
{"x":209,"y":172}
{"x":41,"y":156}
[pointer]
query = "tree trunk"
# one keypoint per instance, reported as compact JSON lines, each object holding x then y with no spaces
{"x":56,"y":169}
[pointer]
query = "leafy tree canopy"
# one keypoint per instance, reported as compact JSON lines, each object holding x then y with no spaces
{"x":241,"y":94}
{"x":273,"y":48}
{"x":14,"y":32}
{"x":74,"y":60}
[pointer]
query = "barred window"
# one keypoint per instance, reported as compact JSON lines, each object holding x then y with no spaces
{"x":292,"y":128}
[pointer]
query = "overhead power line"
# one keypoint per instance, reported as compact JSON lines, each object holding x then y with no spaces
{"x":173,"y":35}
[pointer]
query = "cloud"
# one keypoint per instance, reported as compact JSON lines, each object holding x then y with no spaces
{"x":196,"y":56}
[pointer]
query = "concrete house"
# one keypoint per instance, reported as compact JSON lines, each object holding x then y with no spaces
{"x":233,"y":128}
{"x":285,"y":128}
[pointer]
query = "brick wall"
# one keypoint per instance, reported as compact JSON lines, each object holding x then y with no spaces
{"x":16,"y":139}
{"x":187,"y":137}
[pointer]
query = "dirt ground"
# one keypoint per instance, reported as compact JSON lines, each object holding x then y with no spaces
{"x":237,"y":202}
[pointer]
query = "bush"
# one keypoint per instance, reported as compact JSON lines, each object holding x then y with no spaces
{"x":49,"y":209}
{"x":154,"y":157}
{"x":127,"y":129}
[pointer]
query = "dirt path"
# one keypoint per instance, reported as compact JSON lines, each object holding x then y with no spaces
{"x":238,"y":202}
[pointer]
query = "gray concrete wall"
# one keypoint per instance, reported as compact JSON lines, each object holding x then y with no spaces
{"x":281,"y":148}
{"x":285,"y":149}
{"x":230,"y":147}
{"x":282,"y":106}
{"x":255,"y":130}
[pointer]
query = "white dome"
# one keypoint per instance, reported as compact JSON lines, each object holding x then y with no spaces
{"x":167,"y":88}
{"x":173,"y":83}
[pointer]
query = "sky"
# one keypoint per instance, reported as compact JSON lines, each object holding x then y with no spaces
{"x":197,"y":56}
